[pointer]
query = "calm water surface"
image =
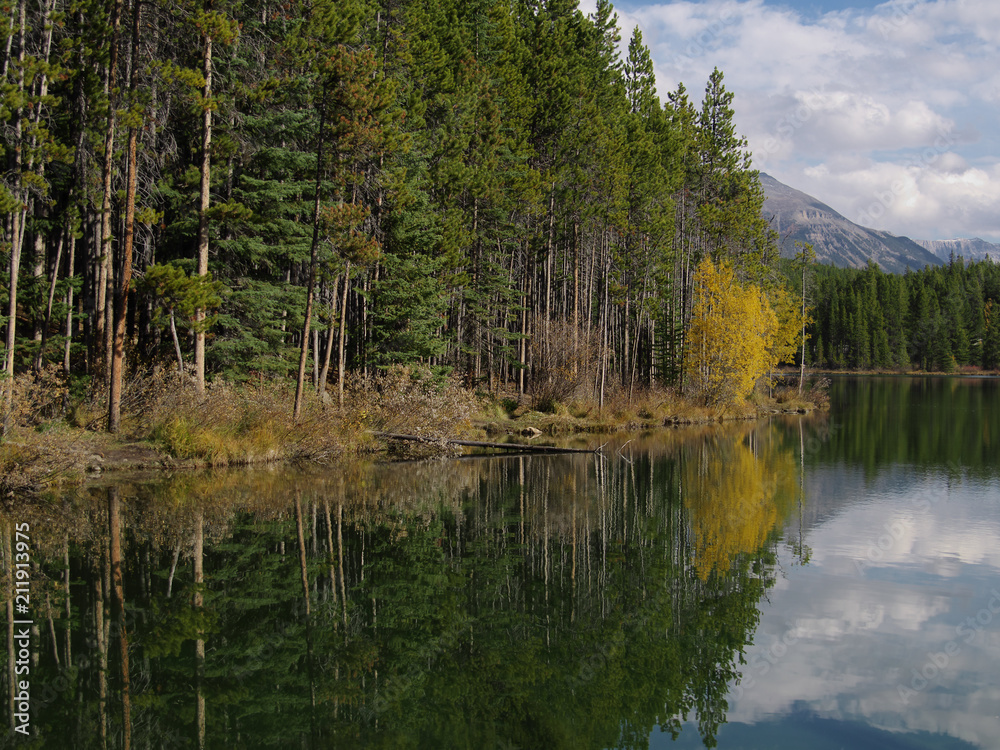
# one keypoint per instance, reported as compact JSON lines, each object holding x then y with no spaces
{"x":820,"y":582}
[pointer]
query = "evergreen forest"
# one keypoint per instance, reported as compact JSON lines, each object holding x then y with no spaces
{"x":308,"y":191}
{"x":938,"y":319}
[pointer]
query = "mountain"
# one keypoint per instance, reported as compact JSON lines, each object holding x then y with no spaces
{"x":836,"y":240}
{"x":974,"y":249}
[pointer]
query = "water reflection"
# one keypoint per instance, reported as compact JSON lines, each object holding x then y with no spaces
{"x":888,"y":638}
{"x":520,"y":602}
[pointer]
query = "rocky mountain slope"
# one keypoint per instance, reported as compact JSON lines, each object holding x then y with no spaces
{"x":970,"y":249}
{"x":837,"y":240}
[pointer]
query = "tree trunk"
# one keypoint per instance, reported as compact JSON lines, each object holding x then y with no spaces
{"x":302,"y":554}
{"x":70,"y":261}
{"x":204,"y":200}
{"x":42,"y":328}
{"x":102,"y":317}
{"x":329,"y":550}
{"x":342,"y":362}
{"x":313,"y":262}
{"x":328,"y":352}
{"x":125,"y":276}
{"x":44,"y":331}
{"x":802,"y":362}
{"x":308,"y":617}
{"x":340,"y":561}
{"x":17,"y":237}
{"x":69,"y":606}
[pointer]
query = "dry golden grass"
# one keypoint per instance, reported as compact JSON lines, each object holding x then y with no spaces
{"x":166,"y":421}
{"x":246,"y":424}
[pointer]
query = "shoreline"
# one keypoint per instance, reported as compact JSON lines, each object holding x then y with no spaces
{"x":181,"y":437}
{"x":174,"y":434}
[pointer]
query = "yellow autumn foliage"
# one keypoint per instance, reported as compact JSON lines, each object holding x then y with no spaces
{"x":730,"y":342}
{"x":788,"y":338}
{"x":738,"y":493}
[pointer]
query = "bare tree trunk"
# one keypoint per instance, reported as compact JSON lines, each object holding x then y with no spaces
{"x":42,"y":328}
{"x":17,"y":233}
{"x":327,"y":354}
{"x":204,"y":200}
{"x":604,"y":332}
{"x":550,"y":240}
{"x":302,"y":553}
{"x":315,"y":358}
{"x":70,"y":260}
{"x":52,"y":630}
{"x":342,"y":361}
{"x":313,"y":261}
{"x":102,"y":306}
{"x":177,"y":346}
{"x":576,"y":296}
{"x":125,"y":278}
{"x":523,"y":343}
{"x":173,"y":569}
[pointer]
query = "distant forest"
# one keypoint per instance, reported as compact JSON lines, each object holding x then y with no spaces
{"x":262,"y":189}
{"x":941,"y":318}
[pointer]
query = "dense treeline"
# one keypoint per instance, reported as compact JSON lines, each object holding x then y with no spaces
{"x":314,"y":189}
{"x":937,"y":319}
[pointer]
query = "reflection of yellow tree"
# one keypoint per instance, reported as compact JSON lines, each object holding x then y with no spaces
{"x":737,"y":493}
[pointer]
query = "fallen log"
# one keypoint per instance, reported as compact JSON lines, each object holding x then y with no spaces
{"x":478,"y":444}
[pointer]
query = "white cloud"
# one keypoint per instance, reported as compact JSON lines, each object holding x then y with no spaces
{"x":906,"y":93}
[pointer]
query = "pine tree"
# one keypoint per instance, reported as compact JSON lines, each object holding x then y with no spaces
{"x":640,"y":85}
{"x":730,"y":199}
{"x":991,"y":339}
{"x":351,"y":101}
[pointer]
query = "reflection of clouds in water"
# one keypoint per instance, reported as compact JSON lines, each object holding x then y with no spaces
{"x":851,"y":667}
{"x":859,"y":634}
{"x":930,"y":521}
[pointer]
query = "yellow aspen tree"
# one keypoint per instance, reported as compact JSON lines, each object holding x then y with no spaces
{"x":791,"y":326}
{"x":731,"y":336}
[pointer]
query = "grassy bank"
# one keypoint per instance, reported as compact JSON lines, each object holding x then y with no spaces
{"x":645,"y":409}
{"x":167,"y":424}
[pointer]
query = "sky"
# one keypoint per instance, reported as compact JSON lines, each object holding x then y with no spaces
{"x":887,"y":112}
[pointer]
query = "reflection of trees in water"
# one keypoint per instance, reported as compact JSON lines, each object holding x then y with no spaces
{"x":951,"y":423}
{"x":538,"y":602}
{"x":737,"y":492}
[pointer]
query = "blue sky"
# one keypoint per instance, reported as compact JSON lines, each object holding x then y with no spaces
{"x":887,"y":111}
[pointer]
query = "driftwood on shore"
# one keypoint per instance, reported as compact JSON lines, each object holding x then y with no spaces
{"x":478,"y":444}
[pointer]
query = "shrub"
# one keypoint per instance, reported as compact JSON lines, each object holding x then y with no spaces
{"x":564,"y":369}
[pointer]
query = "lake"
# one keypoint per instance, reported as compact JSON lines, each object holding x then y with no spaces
{"x":821,"y":581}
